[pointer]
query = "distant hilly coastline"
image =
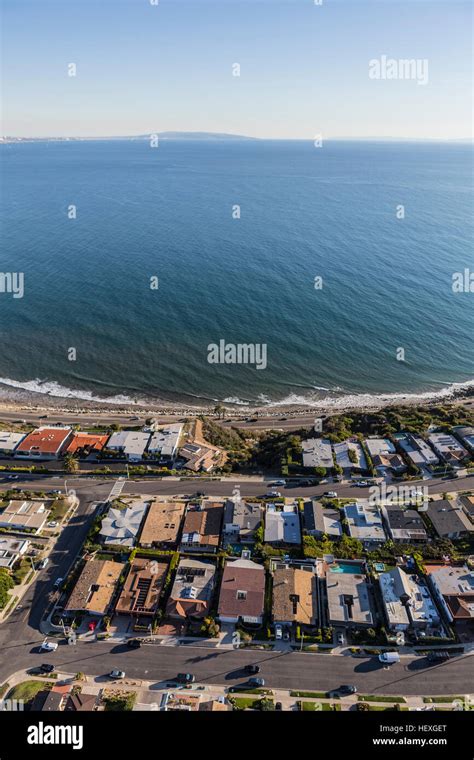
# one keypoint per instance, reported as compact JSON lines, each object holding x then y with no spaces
{"x":202,"y":136}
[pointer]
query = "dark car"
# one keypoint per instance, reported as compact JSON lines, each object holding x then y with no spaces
{"x":347,"y":688}
{"x":134,"y":643}
{"x":438,"y":656}
{"x":185,"y":678}
{"x":253,"y":682}
{"x":278,"y":706}
{"x":47,"y":668}
{"x":252,"y":669}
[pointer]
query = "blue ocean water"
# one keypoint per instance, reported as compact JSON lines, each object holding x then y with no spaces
{"x":305,"y":212}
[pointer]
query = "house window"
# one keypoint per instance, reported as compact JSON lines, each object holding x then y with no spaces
{"x":241,"y":595}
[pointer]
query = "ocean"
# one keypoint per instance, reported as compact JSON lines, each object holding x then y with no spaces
{"x":168,"y":213}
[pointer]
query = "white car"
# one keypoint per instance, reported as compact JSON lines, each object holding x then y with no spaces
{"x":49,"y":646}
{"x":117,"y":674}
{"x":278,"y":632}
{"x":272,"y":495}
{"x":52,"y":524}
{"x":44,"y":562}
{"x":331,"y":494}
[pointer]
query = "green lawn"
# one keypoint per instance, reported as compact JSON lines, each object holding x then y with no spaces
{"x":27,"y":690}
{"x":244,"y":703}
{"x":375,"y":698}
{"x":309,"y":694}
{"x":319,"y":707}
{"x":441,"y":699}
{"x":120,"y":703}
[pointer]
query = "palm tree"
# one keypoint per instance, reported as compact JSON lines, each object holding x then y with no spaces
{"x":219,"y":410}
{"x":70,"y":463}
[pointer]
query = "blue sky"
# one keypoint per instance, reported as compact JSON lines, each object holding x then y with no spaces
{"x":304,"y":68}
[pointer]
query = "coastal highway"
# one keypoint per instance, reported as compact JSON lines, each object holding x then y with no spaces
{"x":284,"y":419}
{"x":285,"y":670}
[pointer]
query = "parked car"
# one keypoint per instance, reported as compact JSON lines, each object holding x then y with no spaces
{"x":330,"y":494}
{"x":362,"y":483}
{"x":272,"y":495}
{"x":58,"y":582}
{"x":46,"y":667}
{"x":52,"y":524}
{"x":117,"y":674}
{"x":44,"y":563}
{"x":278,"y":706}
{"x":440,"y":656}
{"x":185,"y":678}
{"x":252,"y":669}
{"x":278,"y":632}
{"x":286,"y":636}
{"x":49,"y":646}
{"x":343,"y":691}
{"x":255,"y":682}
{"x":134,"y":643}
{"x":279,"y":483}
{"x":341,"y":640}
{"x":389,"y":658}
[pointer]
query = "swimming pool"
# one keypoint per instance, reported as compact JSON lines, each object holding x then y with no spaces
{"x":357,"y":568}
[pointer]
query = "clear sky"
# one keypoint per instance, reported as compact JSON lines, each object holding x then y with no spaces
{"x":304,"y":67}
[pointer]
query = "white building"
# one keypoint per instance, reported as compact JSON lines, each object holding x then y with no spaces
{"x":129,"y":443}
{"x":11,"y":549}
{"x":448,"y":448}
{"x":164,"y":442}
{"x":9,"y":441}
{"x":364,"y":522}
{"x":451,"y":586}
{"x":121,"y":526}
{"x":379,"y":446}
{"x":343,"y":456}
{"x":317,"y":452}
{"x":402,"y":592}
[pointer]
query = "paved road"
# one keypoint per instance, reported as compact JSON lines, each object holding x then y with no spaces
{"x":280,"y":670}
{"x":167,"y":487}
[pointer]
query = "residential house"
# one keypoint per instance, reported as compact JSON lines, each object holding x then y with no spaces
{"x":9,"y":442}
{"x":467,"y":505}
{"x":11,"y":550}
{"x":321,"y":521}
{"x":201,"y":457}
{"x":453,"y":587}
{"x":130,"y":444}
{"x":121,"y":527}
{"x":350,"y":455}
{"x":202,"y":528}
{"x":242,"y":592}
{"x":192,"y":590}
{"x":379,"y":447}
{"x":385,"y":462}
{"x":407,"y":601}
{"x":449,"y":519}
{"x":295,"y":596}
{"x":164,"y":442}
{"x":282,"y":526}
{"x":44,"y":443}
{"x":404,"y":526}
{"x":364,"y":523}
{"x":49,"y":701}
{"x":241,"y":520}
{"x":162,"y":524}
{"x":317,"y":452}
{"x":448,"y":448}
{"x":30,"y":516}
{"x":84,"y":444}
{"x":140,"y":595}
{"x":349,"y":599}
{"x":417,"y":450}
{"x":95,"y":588}
{"x":466,"y":434}
{"x":81,"y":702}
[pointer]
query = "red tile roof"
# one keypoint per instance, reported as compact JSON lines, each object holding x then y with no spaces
{"x":87,"y":441}
{"x":46,"y":440}
{"x":243,"y":576}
